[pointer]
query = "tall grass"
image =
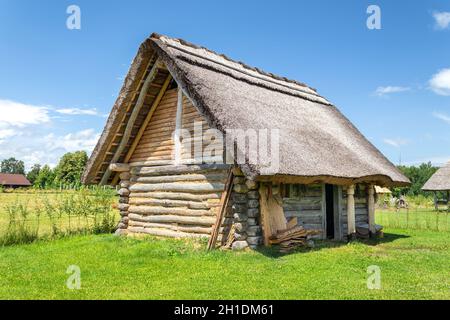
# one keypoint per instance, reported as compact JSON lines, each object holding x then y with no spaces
{"x":44,"y":215}
{"x":414,"y":218}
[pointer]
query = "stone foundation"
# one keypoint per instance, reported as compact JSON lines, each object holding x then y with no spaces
{"x":245,"y":213}
{"x":124,"y":193}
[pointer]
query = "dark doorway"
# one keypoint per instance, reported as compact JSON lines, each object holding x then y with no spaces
{"x":329,"y":199}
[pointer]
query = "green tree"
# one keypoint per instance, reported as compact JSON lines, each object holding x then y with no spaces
{"x":12,"y":165}
{"x":33,"y":173}
{"x":418,"y":176}
{"x":71,"y":167}
{"x":45,"y":178}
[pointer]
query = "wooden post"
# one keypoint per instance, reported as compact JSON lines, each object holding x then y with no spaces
{"x":351,"y":212}
{"x":178,"y":126}
{"x":371,"y":208}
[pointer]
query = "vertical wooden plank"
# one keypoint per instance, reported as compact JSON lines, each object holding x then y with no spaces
{"x":178,"y":126}
{"x":264,"y":211}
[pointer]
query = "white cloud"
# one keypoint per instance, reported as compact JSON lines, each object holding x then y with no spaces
{"x":77,"y":111}
{"x":382,"y":91}
{"x":440,"y":82}
{"x":396,"y":142}
{"x":442,"y":116}
{"x":35,"y":146}
{"x":82,"y":140}
{"x":17,"y":114}
{"x":442,"y":20}
{"x":24,"y":136}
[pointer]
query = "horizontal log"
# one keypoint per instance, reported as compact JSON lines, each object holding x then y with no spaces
{"x":152,"y":158}
{"x":172,"y":203}
{"x":165,"y":233}
{"x":119,"y":167}
{"x":174,"y":169}
{"x":176,"y":196}
{"x":151,"y":163}
{"x":203,"y":221}
{"x":174,"y":210}
{"x":182,"y":228}
{"x":178,"y":178}
{"x":178,"y":187}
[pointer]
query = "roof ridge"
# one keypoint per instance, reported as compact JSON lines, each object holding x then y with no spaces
{"x":158,"y":36}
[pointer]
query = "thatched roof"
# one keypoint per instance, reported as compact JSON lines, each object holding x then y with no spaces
{"x":17,"y":180}
{"x":316,"y":140}
{"x":440,"y":180}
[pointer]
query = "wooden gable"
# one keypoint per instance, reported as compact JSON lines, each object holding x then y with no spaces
{"x":157,"y":143}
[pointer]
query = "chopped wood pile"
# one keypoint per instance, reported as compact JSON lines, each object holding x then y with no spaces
{"x":293,"y":238}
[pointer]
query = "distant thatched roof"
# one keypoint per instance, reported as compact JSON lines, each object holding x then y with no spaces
{"x":440,"y":181}
{"x":316,"y":140}
{"x":17,"y":180}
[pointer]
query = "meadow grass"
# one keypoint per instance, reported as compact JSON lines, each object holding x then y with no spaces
{"x":30,"y":215}
{"x":414,"y":265}
{"x":414,"y":218}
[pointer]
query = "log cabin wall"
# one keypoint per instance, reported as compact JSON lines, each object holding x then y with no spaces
{"x":306,"y":203}
{"x":361,"y":209}
{"x":175,"y":201}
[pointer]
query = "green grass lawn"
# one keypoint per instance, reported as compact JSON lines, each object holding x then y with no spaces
{"x":414,"y":265}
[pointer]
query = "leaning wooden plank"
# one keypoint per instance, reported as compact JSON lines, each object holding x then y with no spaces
{"x":223,"y":205}
{"x":292,"y":223}
{"x":204,"y":221}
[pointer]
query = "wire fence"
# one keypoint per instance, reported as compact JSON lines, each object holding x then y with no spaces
{"x":30,"y":215}
{"x":414,"y":218}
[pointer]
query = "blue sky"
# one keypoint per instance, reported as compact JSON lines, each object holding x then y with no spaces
{"x":57,"y":85}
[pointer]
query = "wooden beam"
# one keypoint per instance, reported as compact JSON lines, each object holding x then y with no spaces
{"x":178,"y":126}
{"x":99,"y":174}
{"x":133,"y":116}
{"x":119,"y":167}
{"x":371,"y":208}
{"x":351,"y":227}
{"x":223,"y":206}
{"x":145,"y":123}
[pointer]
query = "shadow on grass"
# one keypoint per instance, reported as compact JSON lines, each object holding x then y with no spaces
{"x":273,"y":251}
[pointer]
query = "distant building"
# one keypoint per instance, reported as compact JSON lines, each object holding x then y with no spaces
{"x":8,"y":180}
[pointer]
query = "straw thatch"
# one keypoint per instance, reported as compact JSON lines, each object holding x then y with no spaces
{"x":382,"y":190}
{"x":440,"y":181}
{"x":316,"y":140}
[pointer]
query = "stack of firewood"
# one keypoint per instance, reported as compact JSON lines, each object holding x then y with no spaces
{"x":292,"y":238}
